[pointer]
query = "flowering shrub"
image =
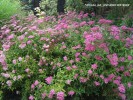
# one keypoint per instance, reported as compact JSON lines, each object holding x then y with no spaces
{"x":71,"y":56}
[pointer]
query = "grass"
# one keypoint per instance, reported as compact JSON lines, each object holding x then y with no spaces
{"x":8,"y":8}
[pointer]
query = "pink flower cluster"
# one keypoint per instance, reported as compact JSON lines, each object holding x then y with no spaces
{"x":49,"y":79}
{"x":90,"y":38}
{"x":60,"y":96}
{"x":105,"y":21}
{"x":115,"y":32}
{"x":113,"y":58}
{"x":2,"y":60}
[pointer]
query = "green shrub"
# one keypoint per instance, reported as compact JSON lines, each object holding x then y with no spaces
{"x":49,"y":6}
{"x":128,"y":19}
{"x":75,"y":5}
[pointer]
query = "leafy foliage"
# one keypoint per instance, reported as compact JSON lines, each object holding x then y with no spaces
{"x":49,"y":6}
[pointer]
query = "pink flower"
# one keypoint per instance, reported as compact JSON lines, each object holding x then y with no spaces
{"x":89,"y":72}
{"x":84,"y":54}
{"x":104,"y":21}
{"x":68,"y":82}
{"x":7,"y":31}
{"x":101,"y":76}
{"x":27,"y":70}
{"x":29,"y":42}
{"x":106,"y":80}
{"x":11,"y":36}
{"x":5,"y":75}
{"x":19,"y":76}
{"x":121,"y":88}
{"x":83,"y":23}
{"x":45,"y":46}
{"x":85,"y":15}
{"x":60,"y":96}
{"x":25,"y":33}
{"x":13,"y":71}
{"x":98,"y":57}
{"x":115,"y":32}
{"x":91,"y":22}
{"x":49,"y":80}
{"x":117,"y":82}
{"x":43,"y":95}
{"x":40,"y":70}
{"x":52,"y":92}
{"x":31,"y":97}
{"x":32,"y":86}
{"x":68,"y":68}
{"x":89,"y":37}
{"x":123,"y":96}
{"x":20,"y":38}
{"x":127,"y":73}
{"x":113,"y":59}
{"x":77,"y":54}
{"x":63,"y":47}
{"x":14,"y":61}
{"x":122,"y":68}
{"x":75,"y":76}
{"x":129,"y":84}
{"x":54,"y":67}
{"x":118,"y":78}
{"x":9,"y":83}
{"x":111,"y":76}
{"x":130,"y":29}
{"x":83,"y":80}
{"x":95,"y":29}
{"x":96,"y":83}
{"x":20,"y":58}
{"x":33,"y":28}
{"x":77,"y":47}
{"x":94,"y":66}
{"x":22,"y":46}
{"x":123,"y":27}
{"x":36,"y":83}
{"x":74,"y":67}
{"x":71,"y":93}
{"x":2,"y":57}
{"x":65,"y":58}
{"x":104,"y":47}
{"x":6,"y":47}
{"x":85,"y":34}
{"x":98,"y":35}
{"x":93,"y":14}
{"x":65,"y":26}
{"x":129,"y":57}
{"x":90,"y":47}
{"x":39,"y":21}
{"x":59,"y":64}
{"x":122,"y":59}
{"x":71,"y":61}
{"x":77,"y":59}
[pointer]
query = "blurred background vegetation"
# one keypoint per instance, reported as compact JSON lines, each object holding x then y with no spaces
{"x":114,"y":13}
{"x":121,"y":15}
